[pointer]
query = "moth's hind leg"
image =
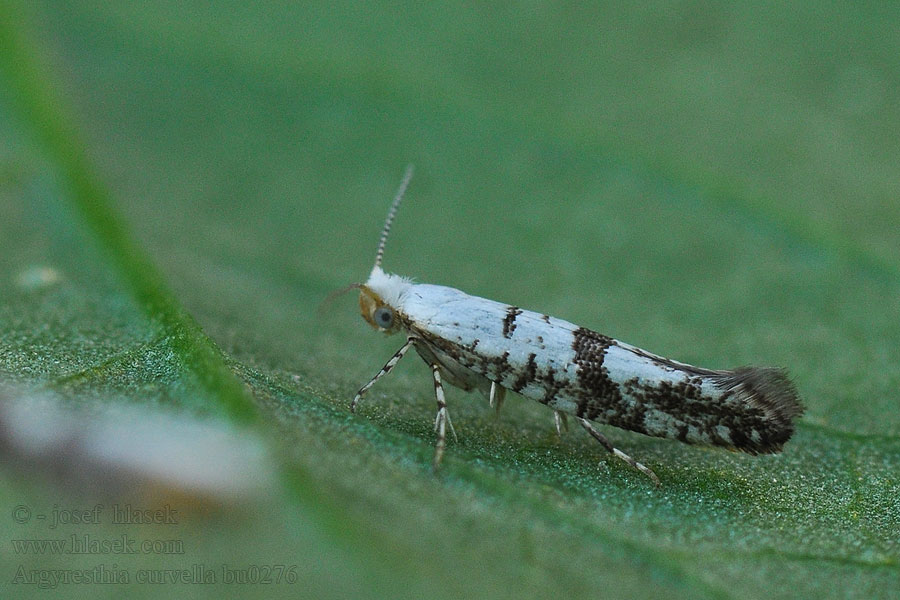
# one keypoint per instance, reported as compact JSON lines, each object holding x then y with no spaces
{"x":561,"y":422}
{"x":384,"y":371}
{"x":496,"y":397}
{"x":442,"y":420}
{"x":616,"y":452}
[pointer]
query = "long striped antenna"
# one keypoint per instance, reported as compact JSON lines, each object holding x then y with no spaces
{"x":391,"y":213}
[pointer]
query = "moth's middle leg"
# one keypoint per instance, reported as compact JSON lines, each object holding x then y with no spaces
{"x":442,"y":420}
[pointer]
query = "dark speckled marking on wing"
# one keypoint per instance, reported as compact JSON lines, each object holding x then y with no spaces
{"x":509,"y":321}
{"x":551,"y":385}
{"x":595,"y":388}
{"x":528,"y":374}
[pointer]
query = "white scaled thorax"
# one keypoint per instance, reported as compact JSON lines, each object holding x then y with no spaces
{"x":389,"y":287}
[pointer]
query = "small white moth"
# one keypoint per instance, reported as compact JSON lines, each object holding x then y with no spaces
{"x":475,"y":343}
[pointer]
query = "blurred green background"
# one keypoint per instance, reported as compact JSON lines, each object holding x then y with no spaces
{"x":715,"y":182}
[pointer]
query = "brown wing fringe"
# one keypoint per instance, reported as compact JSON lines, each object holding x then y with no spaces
{"x":770,"y":391}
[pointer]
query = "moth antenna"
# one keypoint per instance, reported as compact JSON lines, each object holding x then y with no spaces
{"x":334,"y":295}
{"x":391,"y":213}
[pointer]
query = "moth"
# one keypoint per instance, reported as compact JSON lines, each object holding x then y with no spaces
{"x":479,"y":344}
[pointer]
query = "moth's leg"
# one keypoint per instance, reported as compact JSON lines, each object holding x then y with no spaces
{"x":498,"y":394}
{"x":562,"y":423}
{"x":616,"y":452}
{"x":442,"y":420}
{"x":384,"y":371}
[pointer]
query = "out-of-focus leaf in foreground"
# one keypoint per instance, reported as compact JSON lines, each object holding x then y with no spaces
{"x":184,"y":183}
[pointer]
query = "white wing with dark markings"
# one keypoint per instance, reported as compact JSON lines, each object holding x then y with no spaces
{"x":589,"y":375}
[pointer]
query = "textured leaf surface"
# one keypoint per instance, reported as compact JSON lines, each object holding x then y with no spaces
{"x":715,"y":184}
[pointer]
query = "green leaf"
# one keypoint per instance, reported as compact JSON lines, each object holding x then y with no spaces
{"x":184,"y":183}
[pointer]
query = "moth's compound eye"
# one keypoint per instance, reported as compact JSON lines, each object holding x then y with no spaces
{"x":384,"y":316}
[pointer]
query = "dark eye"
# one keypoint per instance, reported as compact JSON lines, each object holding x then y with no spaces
{"x":384,"y":316}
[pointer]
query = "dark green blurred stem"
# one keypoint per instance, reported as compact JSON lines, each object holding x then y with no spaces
{"x":30,"y":88}
{"x":38,"y":104}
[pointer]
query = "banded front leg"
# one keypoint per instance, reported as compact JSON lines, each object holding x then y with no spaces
{"x":384,"y":371}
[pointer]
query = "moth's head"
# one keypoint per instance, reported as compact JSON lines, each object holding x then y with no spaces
{"x":380,"y":298}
